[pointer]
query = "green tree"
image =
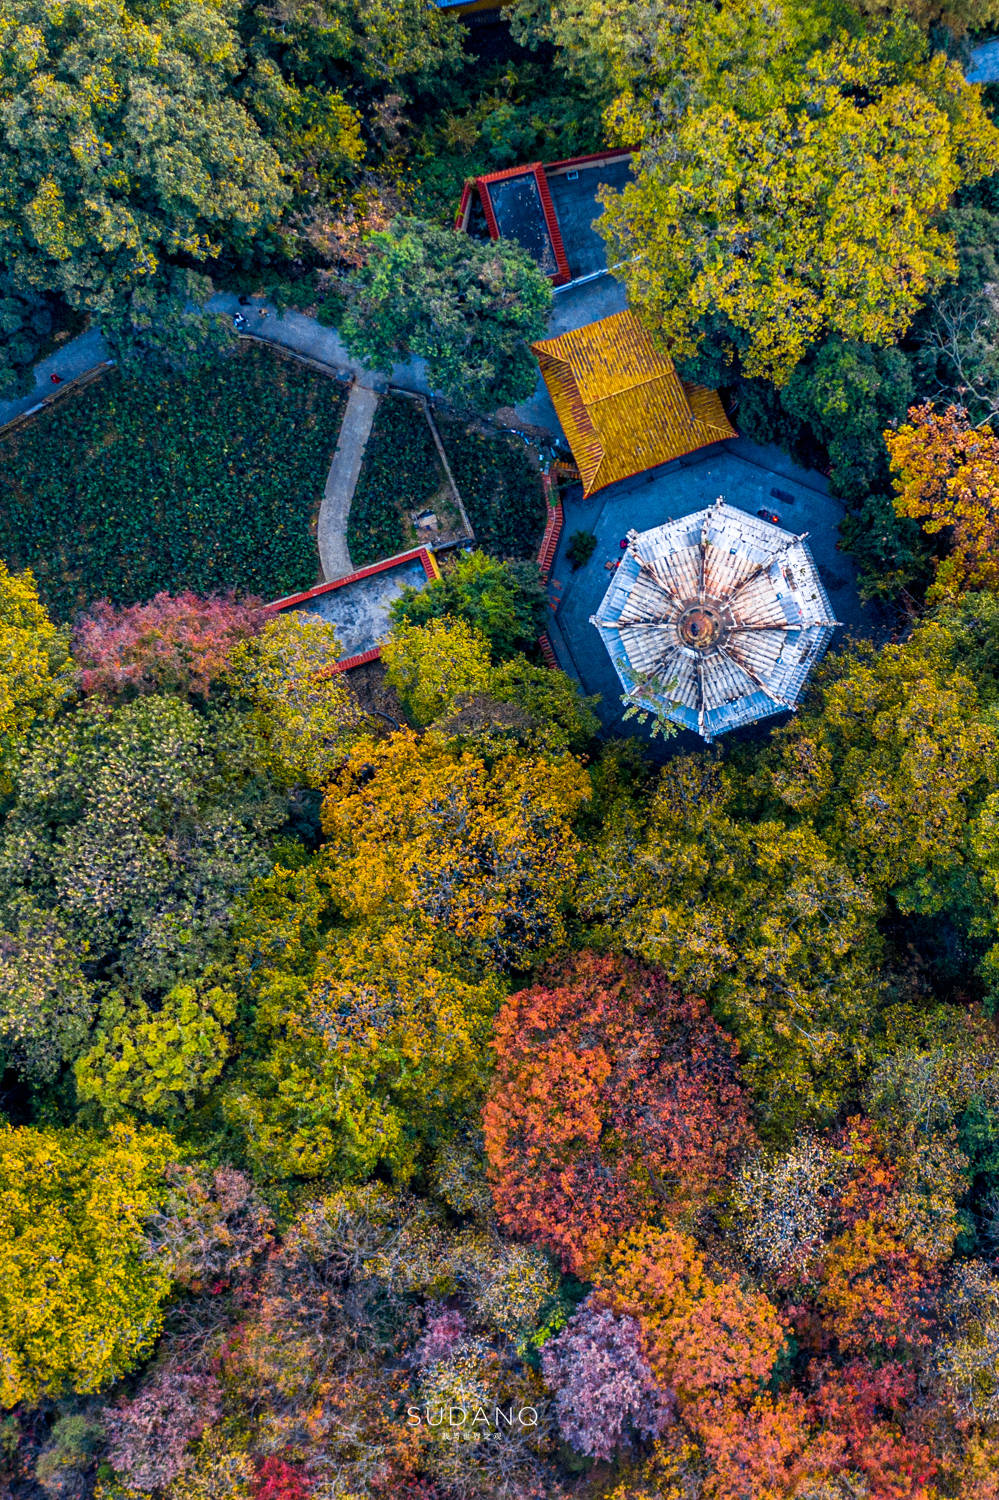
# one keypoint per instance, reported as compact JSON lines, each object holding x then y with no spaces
{"x":888,"y":762}
{"x":794,"y":166}
{"x":123,"y":147}
{"x":891,"y":553}
{"x":80,"y":1299}
{"x":848,"y":393}
{"x":958,"y":16}
{"x":164,"y":323}
{"x":132,"y":833}
{"x":26,"y":320}
{"x":605,"y":44}
{"x":156,"y":1062}
{"x":958,"y":333}
{"x":537,"y":707}
{"x":504,"y":600}
{"x":366,"y":49}
{"x":469,"y":309}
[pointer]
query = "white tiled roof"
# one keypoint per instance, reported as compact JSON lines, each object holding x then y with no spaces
{"x":715,"y":619}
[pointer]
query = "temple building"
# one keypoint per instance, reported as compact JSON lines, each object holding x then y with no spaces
{"x":714,"y":620}
{"x":622,"y":406}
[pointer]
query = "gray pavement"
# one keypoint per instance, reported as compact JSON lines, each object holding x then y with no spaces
{"x":574,"y":306}
{"x":983,"y":64}
{"x":74,"y":358}
{"x":360,"y":609}
{"x":747,"y":476}
{"x":290,"y":330}
{"x":355,"y":429}
{"x":293,"y":330}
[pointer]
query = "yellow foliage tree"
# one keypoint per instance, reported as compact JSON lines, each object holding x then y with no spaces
{"x":432,"y":665}
{"x":80,"y":1298}
{"x":303,"y":709}
{"x":485,"y":853}
{"x":35,"y":669}
{"x":374,"y":1061}
{"x":946,"y":476}
{"x":794,"y":164}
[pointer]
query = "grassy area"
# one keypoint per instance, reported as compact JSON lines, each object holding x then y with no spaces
{"x":500,"y":486}
{"x":209,"y":481}
{"x":401,"y":473}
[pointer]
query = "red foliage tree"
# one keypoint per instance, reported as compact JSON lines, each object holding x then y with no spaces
{"x":175,"y":643}
{"x":614,"y":1096}
{"x":872,"y":1411}
{"x":767,"y":1450}
{"x":278,"y":1480}
{"x":875,"y":1293}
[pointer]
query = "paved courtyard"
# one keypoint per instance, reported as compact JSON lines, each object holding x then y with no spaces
{"x":748,"y":477}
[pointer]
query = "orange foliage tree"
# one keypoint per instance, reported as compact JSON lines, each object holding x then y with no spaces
{"x":875,"y":1292}
{"x":614,"y":1095}
{"x":708,"y":1340}
{"x":946,"y":476}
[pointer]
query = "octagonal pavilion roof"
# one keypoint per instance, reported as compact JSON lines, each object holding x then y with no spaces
{"x":715,"y":619}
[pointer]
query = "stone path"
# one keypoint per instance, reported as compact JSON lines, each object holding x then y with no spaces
{"x":341,"y":482}
{"x":292,"y":330}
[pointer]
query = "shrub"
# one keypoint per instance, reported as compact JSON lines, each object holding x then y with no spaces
{"x":582,"y":545}
{"x":387,"y":488}
{"x":501,"y":488}
{"x":205,"y":481}
{"x":62,"y":1465}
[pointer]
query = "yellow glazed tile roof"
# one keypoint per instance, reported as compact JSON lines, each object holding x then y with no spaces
{"x":622,"y":406}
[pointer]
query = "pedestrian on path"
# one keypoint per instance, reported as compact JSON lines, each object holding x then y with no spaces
{"x":239,"y":322}
{"x":56,"y":379}
{"x":262,"y":313}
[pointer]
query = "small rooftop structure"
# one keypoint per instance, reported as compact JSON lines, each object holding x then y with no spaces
{"x":518,"y":206}
{"x":714,"y":620}
{"x":359,"y":604}
{"x":549,"y":209}
{"x":622,"y":406}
